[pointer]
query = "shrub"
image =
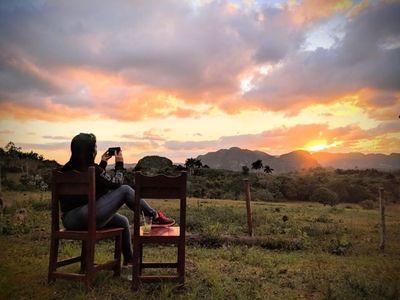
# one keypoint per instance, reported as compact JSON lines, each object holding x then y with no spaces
{"x":368,"y":204}
{"x":323,"y":219}
{"x":325,"y":196}
{"x":339,"y":246}
{"x":41,"y":205}
{"x":262,"y":195}
{"x":282,"y":243}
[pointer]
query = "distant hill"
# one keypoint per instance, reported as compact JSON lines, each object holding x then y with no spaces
{"x":358,"y":160}
{"x":234,"y":158}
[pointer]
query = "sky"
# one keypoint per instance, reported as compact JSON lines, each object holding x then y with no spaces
{"x":183,"y":78}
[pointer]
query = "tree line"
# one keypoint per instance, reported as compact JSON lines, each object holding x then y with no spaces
{"x":328,"y":186}
{"x":21,"y":170}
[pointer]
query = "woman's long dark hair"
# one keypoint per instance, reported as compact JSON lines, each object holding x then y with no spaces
{"x":82,"y":149}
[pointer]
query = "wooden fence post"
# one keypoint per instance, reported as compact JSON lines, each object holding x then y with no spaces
{"x":382,"y":231}
{"x":248,"y":199}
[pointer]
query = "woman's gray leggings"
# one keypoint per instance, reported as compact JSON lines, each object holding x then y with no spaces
{"x":107,"y":216}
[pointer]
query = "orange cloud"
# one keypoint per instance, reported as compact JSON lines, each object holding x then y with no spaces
{"x":153,"y":104}
{"x":98,"y":82}
{"x":380,"y":105}
{"x":135,"y":73}
{"x":311,"y":10}
{"x":49,"y":112}
{"x":284,"y":139}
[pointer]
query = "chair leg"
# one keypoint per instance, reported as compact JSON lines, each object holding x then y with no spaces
{"x":54,"y":244}
{"x":117,"y":256}
{"x":140,"y":259}
{"x":83,"y":261}
{"x":135,"y":267}
{"x":89,"y":258}
{"x":181,"y":263}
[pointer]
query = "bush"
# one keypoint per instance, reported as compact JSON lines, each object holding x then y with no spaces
{"x":339,"y":246}
{"x":262,"y":195}
{"x":41,"y":205}
{"x":281,"y":243}
{"x":368,"y":204}
{"x":325,"y":196}
{"x":9,"y":184}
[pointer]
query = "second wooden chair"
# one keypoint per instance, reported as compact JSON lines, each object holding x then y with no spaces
{"x":159,"y":187}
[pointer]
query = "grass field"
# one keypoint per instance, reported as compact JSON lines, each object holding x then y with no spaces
{"x":319,"y":252}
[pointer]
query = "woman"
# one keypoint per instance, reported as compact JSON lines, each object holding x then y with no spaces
{"x":111,"y":194}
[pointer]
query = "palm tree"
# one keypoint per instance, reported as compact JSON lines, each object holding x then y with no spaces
{"x":189,"y":164}
{"x":192,"y":163}
{"x":257,"y":164}
{"x":268,"y":169}
{"x":197,"y":163}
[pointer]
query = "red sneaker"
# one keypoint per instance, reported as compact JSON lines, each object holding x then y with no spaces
{"x":162,"y":220}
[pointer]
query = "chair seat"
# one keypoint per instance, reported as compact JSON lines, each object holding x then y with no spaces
{"x":163,"y":235}
{"x":84,"y":234}
{"x":161,"y":231}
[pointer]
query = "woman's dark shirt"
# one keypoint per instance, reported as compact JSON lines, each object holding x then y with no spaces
{"x":104,"y":183}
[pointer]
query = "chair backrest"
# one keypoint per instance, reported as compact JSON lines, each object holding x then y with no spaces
{"x":160,"y":187}
{"x":74,"y":183}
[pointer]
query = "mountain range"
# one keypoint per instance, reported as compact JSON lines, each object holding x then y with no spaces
{"x":235,"y":158}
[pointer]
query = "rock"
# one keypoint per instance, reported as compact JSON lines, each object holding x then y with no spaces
{"x":153,"y":162}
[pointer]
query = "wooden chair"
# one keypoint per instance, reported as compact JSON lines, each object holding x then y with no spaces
{"x":74,"y":183}
{"x":159,"y":187}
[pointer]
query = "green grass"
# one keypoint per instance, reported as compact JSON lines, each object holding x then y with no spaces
{"x":336,"y":256}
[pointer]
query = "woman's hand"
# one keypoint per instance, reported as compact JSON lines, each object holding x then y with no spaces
{"x":105,"y":156}
{"x":119,"y":157}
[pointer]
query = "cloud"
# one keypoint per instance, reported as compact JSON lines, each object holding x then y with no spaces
{"x":57,"y":137}
{"x":276,"y":140}
{"x":6,"y":131}
{"x":309,"y":11}
{"x":152,"y":136}
{"x":103,"y":145}
{"x":383,"y":138}
{"x":45,"y":146}
{"x":355,"y":63}
{"x":284,"y":139}
{"x":41,"y":111}
{"x":137,"y":39}
{"x":192,"y":54}
{"x":192,"y":145}
{"x":17,"y":74}
{"x":380,"y":105}
{"x":136,"y":60}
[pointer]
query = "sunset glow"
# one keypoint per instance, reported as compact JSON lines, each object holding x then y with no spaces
{"x":183,"y":78}
{"x":316,"y":146}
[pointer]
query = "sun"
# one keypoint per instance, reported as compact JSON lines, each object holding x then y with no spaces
{"x":319,"y":145}
{"x":316,"y":148}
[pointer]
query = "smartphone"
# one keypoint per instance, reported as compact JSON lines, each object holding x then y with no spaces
{"x":113,"y":150}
